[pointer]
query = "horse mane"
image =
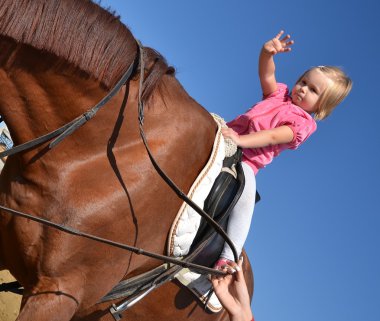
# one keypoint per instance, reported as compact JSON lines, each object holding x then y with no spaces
{"x":82,"y":33}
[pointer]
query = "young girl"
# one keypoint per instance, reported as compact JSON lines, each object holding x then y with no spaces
{"x":280,"y":121}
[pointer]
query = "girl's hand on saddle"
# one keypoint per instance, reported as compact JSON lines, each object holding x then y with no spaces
{"x":232,"y":292}
{"x":277,"y":45}
{"x":231,"y":134}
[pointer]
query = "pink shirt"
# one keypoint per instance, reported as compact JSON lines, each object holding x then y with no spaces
{"x":275,"y":110}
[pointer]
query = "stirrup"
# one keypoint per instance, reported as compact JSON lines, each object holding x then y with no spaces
{"x":117,"y":310}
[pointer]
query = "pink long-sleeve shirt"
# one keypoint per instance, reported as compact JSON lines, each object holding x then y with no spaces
{"x":274,"y":111}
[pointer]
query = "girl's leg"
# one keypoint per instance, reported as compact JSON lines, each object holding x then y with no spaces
{"x":241,"y":215}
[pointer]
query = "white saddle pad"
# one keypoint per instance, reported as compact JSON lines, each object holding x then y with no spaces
{"x":187,"y":221}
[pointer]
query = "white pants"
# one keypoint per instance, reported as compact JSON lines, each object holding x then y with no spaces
{"x":241,"y":215}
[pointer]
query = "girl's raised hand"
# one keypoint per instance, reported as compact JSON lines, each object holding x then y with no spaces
{"x":277,"y":45}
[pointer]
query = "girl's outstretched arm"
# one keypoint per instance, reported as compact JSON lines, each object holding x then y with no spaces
{"x":279,"y":135}
{"x":266,"y":62}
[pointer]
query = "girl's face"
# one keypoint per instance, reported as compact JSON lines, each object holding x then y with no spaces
{"x":307,"y":91}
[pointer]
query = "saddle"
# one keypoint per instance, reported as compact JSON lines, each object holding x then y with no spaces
{"x":223,"y":196}
{"x":208,"y":244}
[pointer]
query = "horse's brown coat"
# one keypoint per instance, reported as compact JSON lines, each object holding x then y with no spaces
{"x":98,"y":180}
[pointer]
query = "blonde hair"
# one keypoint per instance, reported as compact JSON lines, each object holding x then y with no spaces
{"x":334,"y":94}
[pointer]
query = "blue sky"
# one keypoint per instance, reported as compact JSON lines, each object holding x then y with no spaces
{"x":314,"y":241}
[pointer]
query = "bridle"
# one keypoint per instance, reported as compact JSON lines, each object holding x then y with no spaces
{"x":61,"y":133}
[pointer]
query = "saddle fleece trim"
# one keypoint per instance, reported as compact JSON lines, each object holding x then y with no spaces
{"x":187,"y":221}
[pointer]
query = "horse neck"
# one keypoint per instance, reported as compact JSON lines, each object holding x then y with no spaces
{"x":36,"y":99}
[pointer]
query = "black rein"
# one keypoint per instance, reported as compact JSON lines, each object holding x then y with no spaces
{"x":62,"y":132}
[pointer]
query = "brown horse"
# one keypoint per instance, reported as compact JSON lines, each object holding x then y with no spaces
{"x":57,"y":59}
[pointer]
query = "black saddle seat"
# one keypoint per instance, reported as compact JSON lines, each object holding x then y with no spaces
{"x":223,"y":196}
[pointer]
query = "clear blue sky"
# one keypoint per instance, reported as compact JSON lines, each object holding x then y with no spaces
{"x":314,"y":242}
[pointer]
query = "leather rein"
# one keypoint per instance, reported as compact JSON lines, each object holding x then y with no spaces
{"x":59,"y":134}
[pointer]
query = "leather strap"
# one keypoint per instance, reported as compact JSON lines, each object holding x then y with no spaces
{"x":165,"y":177}
{"x":72,"y":126}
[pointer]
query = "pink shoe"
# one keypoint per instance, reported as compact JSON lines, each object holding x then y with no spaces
{"x":221,"y":263}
